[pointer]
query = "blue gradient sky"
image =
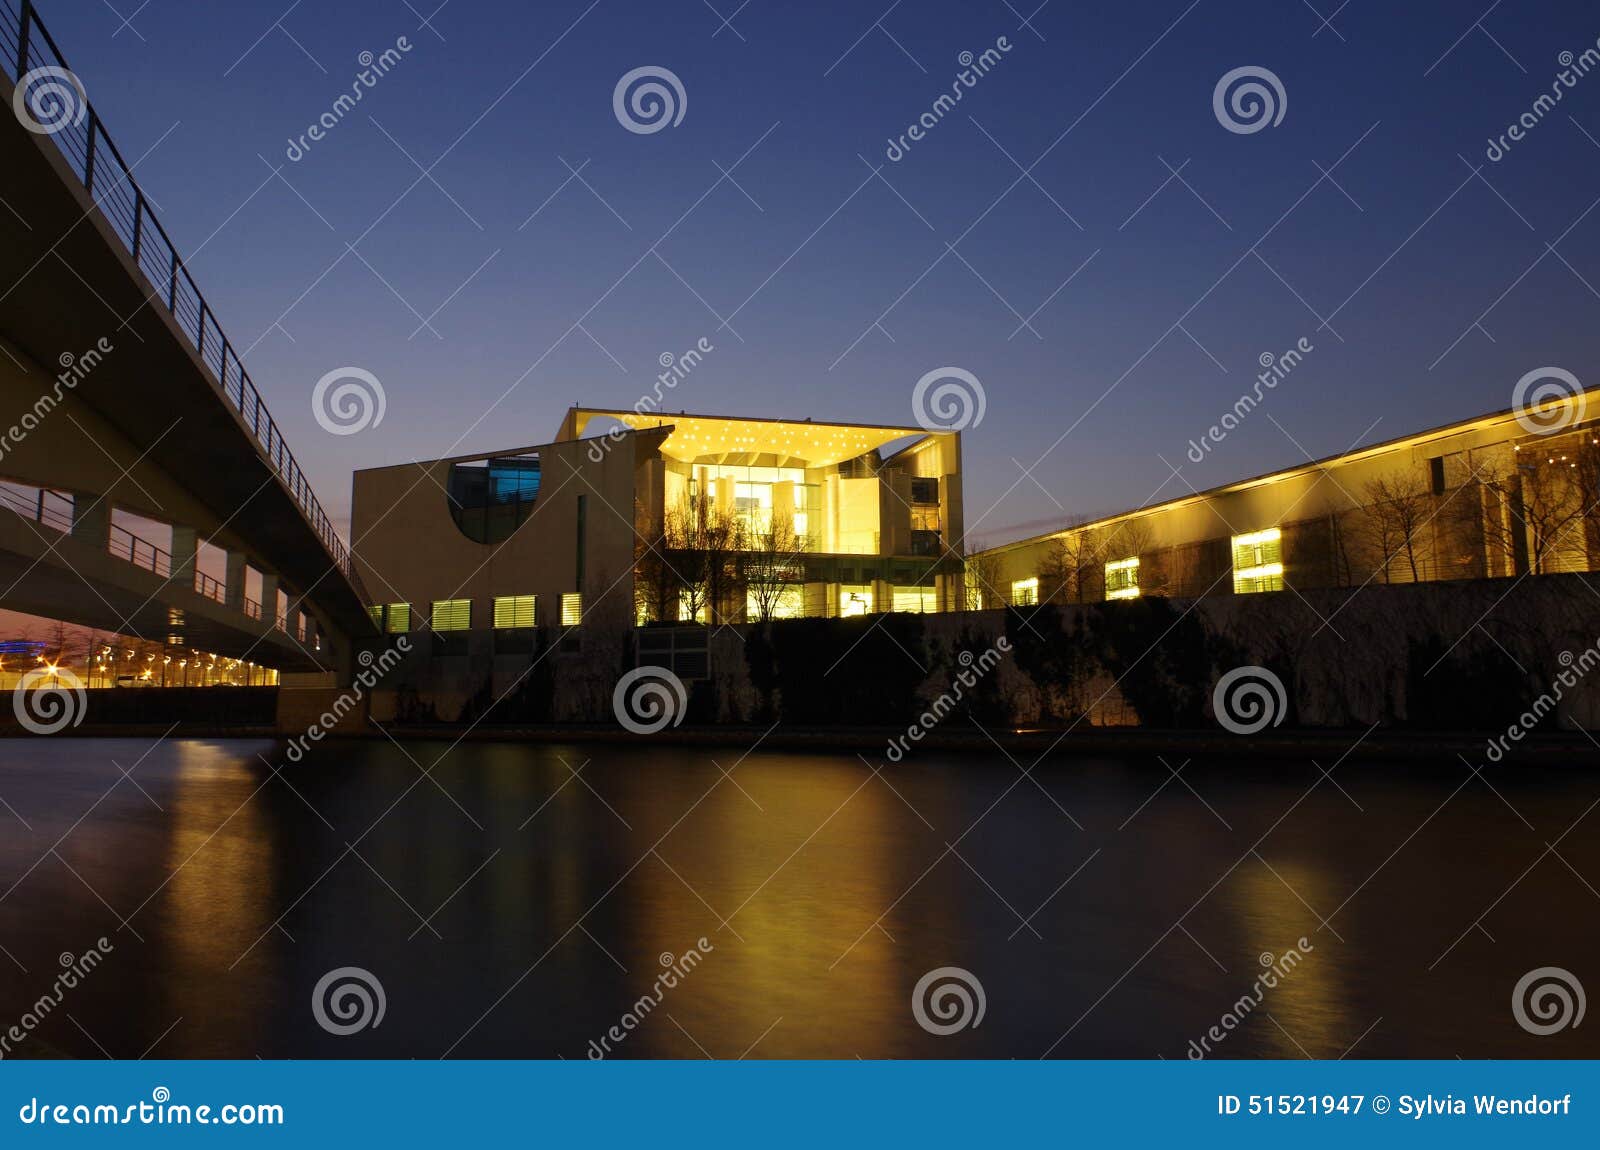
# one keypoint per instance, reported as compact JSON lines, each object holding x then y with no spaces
{"x":1402,"y":260}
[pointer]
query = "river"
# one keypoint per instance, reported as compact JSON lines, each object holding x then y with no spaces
{"x":527,"y":900}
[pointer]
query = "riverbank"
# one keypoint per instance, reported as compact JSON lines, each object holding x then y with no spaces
{"x":1575,"y":748}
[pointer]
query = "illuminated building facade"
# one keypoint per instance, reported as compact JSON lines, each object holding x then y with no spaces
{"x":1513,"y":493}
{"x":632,"y":518}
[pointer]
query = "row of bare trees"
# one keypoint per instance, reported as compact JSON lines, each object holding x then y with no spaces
{"x":1534,"y":509}
{"x":705,"y":562}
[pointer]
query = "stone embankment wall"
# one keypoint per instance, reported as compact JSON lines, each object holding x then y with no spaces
{"x":1469,"y":655}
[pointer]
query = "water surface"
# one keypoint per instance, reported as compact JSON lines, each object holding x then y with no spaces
{"x":516,"y":900}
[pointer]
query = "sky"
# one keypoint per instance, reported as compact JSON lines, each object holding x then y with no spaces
{"x":1082,"y":233}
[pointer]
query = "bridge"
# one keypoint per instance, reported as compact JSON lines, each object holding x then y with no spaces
{"x":122,"y":400}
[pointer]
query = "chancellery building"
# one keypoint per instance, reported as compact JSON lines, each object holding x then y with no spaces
{"x":630,"y":518}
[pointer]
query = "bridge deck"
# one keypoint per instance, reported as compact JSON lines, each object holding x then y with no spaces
{"x":77,"y":268}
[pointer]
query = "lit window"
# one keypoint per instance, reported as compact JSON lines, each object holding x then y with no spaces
{"x":1025,"y":592}
{"x":783,"y":602}
{"x":919,"y":599}
{"x":572,"y":609}
{"x":1258,"y":561}
{"x":511,"y":611}
{"x":395,"y":618}
{"x":854,"y":599}
{"x":1122,"y":579}
{"x":452,"y":614}
{"x":376,"y":611}
{"x":690,"y":608}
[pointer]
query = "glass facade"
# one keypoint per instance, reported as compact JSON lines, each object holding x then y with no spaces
{"x":490,"y":500}
{"x":917,"y":599}
{"x":782,"y":602}
{"x":762,"y":495}
{"x":1025,"y":592}
{"x":855,"y":599}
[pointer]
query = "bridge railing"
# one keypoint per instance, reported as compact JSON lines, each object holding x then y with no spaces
{"x":121,"y":543}
{"x":26,"y":47}
{"x":37,"y":509}
{"x":124,"y":544}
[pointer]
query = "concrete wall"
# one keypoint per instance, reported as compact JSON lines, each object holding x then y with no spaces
{"x":408,"y":548}
{"x":1467,"y":655}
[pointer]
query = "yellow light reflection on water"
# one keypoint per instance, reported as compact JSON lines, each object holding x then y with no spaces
{"x":1308,"y":1002}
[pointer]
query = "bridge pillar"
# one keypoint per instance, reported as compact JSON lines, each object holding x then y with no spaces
{"x":185,"y":553}
{"x":233,"y":585}
{"x":269,"y":598}
{"x":300,"y":622}
{"x":91,"y":520}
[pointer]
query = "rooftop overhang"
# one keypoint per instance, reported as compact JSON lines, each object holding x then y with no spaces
{"x":707,"y":438}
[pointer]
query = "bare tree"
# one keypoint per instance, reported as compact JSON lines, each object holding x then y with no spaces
{"x":1544,"y":508}
{"x":1397,"y":509}
{"x":769,"y":568}
{"x":1069,"y":564}
{"x":981,"y":585}
{"x":703,"y":546}
{"x":1586,"y":478}
{"x":656,"y":582}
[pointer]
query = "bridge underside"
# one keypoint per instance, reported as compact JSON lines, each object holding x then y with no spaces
{"x":163,"y":440}
{"x":52,"y":574}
